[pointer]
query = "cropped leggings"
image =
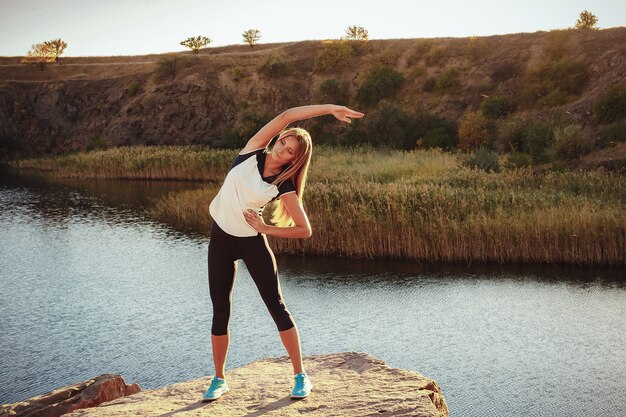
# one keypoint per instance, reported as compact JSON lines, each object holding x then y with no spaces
{"x":224,"y":251}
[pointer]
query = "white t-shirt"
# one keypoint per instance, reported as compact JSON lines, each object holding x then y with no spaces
{"x":245,"y":188}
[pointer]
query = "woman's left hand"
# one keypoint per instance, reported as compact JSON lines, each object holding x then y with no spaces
{"x":255,"y":220}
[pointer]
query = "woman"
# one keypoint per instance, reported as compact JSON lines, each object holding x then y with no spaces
{"x":256,"y":177}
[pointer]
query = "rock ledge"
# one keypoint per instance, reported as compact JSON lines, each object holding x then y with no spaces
{"x":344,"y":384}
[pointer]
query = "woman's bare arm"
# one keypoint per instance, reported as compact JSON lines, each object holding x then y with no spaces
{"x":302,"y":228}
{"x":264,"y":136}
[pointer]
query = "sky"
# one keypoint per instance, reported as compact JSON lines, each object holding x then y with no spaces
{"x":137,"y":27}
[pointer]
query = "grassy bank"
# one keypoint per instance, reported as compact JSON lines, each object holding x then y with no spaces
{"x":421,"y":205}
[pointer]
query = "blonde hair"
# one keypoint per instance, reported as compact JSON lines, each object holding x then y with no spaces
{"x":297,"y":173}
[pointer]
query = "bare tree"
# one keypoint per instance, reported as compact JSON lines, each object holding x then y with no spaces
{"x":55,"y":47}
{"x":356,"y":33}
{"x":195,"y":43}
{"x":39,"y":54}
{"x":251,"y":36}
{"x":587,"y":20}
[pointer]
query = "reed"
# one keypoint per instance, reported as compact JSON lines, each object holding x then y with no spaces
{"x":420,"y":205}
{"x":194,"y":163}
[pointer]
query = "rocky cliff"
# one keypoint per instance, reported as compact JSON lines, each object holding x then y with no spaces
{"x":344,"y":384}
{"x":205,"y":99}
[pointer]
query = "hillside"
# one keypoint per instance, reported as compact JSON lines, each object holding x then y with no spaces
{"x":221,"y":95}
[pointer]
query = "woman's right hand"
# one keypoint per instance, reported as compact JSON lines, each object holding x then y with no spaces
{"x":343,"y":113}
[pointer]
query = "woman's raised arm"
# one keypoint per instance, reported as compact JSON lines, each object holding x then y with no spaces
{"x":263,"y":137}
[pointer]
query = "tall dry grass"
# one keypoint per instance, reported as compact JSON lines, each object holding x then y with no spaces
{"x":421,"y":205}
{"x":194,"y":163}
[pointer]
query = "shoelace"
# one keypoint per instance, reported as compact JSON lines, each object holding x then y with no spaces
{"x":216,"y":384}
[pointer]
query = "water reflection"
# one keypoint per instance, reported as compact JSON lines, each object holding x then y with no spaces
{"x":95,"y":285}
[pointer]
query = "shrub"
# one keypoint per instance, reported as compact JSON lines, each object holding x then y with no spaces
{"x":251,"y":36}
{"x":417,"y":71}
{"x":389,"y":126}
{"x":275,"y":66}
{"x":612,"y":134}
{"x":382,"y":82}
{"x":505,"y":72}
{"x":247,"y":126}
{"x":10,"y":148}
{"x":436,"y":56}
{"x":555,"y":83}
{"x":473,"y":131}
{"x":389,"y":56}
{"x":196,"y":42}
{"x":476,"y":48}
{"x":434,"y":131}
{"x":496,"y":107}
{"x":334,"y":90}
{"x":238,"y":73}
{"x":484,"y":160}
{"x":167,"y":67}
{"x":429,"y":84}
{"x":418,"y":51}
{"x":133,"y":88}
{"x":534,"y":139}
{"x":570,"y":143}
{"x":333,"y":56}
{"x":356,"y":33}
{"x":447,"y":80}
{"x":97,"y":143}
{"x":516,"y":160}
{"x":557,"y":45}
{"x":586,"y":20}
{"x":612,"y":105}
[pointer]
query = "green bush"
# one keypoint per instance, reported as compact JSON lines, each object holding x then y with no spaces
{"x":484,"y":160}
{"x":275,"y":66}
{"x":531,"y":139}
{"x":570,"y":143}
{"x":496,"y":107}
{"x":434,"y":131}
{"x":335,"y":90}
{"x":248,"y":124}
{"x":612,"y":135}
{"x":97,"y":143}
{"x":238,"y":73}
{"x":516,"y":160}
{"x":381,"y":82}
{"x":447,"y":80}
{"x":611,"y":106}
{"x":133,"y":88}
{"x":334,"y":56}
{"x":555,"y":83}
{"x":389,"y":126}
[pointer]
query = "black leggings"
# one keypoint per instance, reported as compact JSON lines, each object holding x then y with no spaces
{"x":224,"y":250}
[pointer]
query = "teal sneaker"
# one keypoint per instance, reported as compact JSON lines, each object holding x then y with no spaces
{"x":302,"y":387}
{"x":217,"y":388}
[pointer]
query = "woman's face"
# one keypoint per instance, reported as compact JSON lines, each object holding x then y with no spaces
{"x":285,"y":149}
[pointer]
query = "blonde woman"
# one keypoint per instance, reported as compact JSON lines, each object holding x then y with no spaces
{"x":256,"y":177}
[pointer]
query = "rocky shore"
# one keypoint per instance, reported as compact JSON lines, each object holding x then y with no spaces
{"x":345,"y":384}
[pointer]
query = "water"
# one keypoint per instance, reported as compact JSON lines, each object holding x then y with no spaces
{"x":91,"y":285}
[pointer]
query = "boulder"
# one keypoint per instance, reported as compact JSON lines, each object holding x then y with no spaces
{"x":64,"y":400}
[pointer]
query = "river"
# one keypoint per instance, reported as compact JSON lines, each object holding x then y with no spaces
{"x":91,"y":284}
